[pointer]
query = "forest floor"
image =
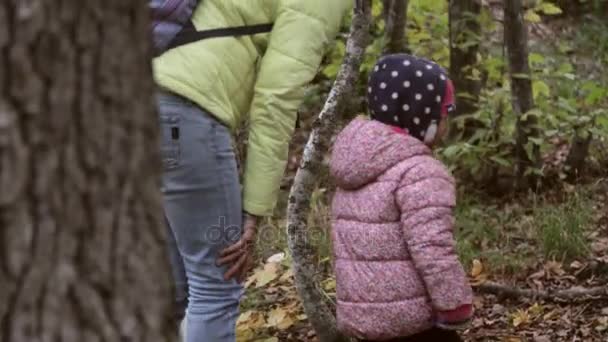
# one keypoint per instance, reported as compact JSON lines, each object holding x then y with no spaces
{"x":271,"y":310}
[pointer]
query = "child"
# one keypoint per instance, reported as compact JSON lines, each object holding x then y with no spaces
{"x":398,"y":276}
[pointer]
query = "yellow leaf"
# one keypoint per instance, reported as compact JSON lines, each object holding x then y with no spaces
{"x":532,"y":16}
{"x":267,"y":275}
{"x":520,"y":317}
{"x":555,"y":268}
{"x":302,"y":317}
{"x":550,"y":9}
{"x":276,"y":316}
{"x":279,"y":318}
{"x":245,"y":317}
{"x":287,"y":276}
{"x":250,"y":320}
{"x":477,"y":269}
{"x":285,"y":323}
{"x":270,"y":339}
{"x":244,"y":335}
{"x":330,"y":284}
{"x":536,"y":310}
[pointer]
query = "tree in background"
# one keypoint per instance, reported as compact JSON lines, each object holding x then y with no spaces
{"x":82,"y":242}
{"x":516,"y":41}
{"x":465,"y":35}
{"x":395,"y":18}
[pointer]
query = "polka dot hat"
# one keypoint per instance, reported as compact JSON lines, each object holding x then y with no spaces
{"x":411,"y":93}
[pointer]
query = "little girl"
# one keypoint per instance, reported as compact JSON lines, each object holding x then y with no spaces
{"x":398,"y":276}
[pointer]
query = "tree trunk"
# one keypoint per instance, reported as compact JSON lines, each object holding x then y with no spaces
{"x":465,"y":33}
{"x":579,"y":151}
{"x":516,"y":40}
{"x":302,"y":251}
{"x":82,"y":256}
{"x":396,"y":20}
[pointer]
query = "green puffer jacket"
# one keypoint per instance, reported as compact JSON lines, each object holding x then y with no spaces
{"x":263,"y":76}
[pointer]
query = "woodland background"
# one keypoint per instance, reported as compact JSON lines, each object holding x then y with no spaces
{"x":528,"y":147}
{"x":82,"y":240}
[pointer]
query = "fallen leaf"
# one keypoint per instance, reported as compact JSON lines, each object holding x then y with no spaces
{"x":330,"y":284}
{"x":542,"y":338}
{"x":287,"y":276}
{"x":277,"y":258}
{"x":576,"y":265}
{"x":251,"y":320}
{"x":536,"y":310}
{"x":520,"y":317}
{"x":555,"y":268}
{"x":498,"y":309}
{"x":270,"y":339}
{"x":477,"y":268}
{"x":513,"y":339}
{"x":278,"y":318}
{"x":600,"y":245}
{"x":537,"y":275}
{"x":269,"y":273}
{"x":247,"y":324}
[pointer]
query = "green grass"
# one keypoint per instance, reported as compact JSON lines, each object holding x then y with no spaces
{"x":510,"y":237}
{"x":561,"y":229}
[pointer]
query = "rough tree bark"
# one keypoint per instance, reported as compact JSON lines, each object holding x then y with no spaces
{"x":465,"y":33}
{"x":395,"y":16}
{"x":302,"y":251}
{"x":81,"y":239}
{"x":516,"y":40}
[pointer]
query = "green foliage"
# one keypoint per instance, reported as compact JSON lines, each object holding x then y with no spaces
{"x":561,"y":228}
{"x":569,"y":86}
{"x":569,"y":99}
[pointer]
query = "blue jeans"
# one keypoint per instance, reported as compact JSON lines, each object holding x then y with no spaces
{"x":202,"y":203}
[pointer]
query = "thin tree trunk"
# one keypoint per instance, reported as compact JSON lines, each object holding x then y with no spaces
{"x":579,"y":151}
{"x":396,"y":21}
{"x":302,"y":251}
{"x":81,"y":239}
{"x":465,"y":33}
{"x":516,"y":39}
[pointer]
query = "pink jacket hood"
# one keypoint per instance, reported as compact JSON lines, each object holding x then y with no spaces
{"x":378,"y":148}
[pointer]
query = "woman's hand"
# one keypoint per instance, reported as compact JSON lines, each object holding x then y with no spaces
{"x":240,"y":254}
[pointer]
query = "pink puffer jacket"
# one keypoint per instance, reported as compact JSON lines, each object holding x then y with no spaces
{"x":395,"y":261}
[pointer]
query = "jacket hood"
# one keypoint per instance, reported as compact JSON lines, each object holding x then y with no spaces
{"x":365,"y":149}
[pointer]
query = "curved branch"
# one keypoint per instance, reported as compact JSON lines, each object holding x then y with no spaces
{"x":320,"y":315}
{"x":571,"y":294}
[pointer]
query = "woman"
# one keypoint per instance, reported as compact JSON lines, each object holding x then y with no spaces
{"x":208,"y":88}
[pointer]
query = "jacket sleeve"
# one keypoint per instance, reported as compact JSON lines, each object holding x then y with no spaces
{"x":426,"y":197}
{"x":301,"y":33}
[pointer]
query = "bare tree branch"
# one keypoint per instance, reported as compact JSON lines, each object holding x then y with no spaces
{"x":302,"y":251}
{"x":571,"y":294}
